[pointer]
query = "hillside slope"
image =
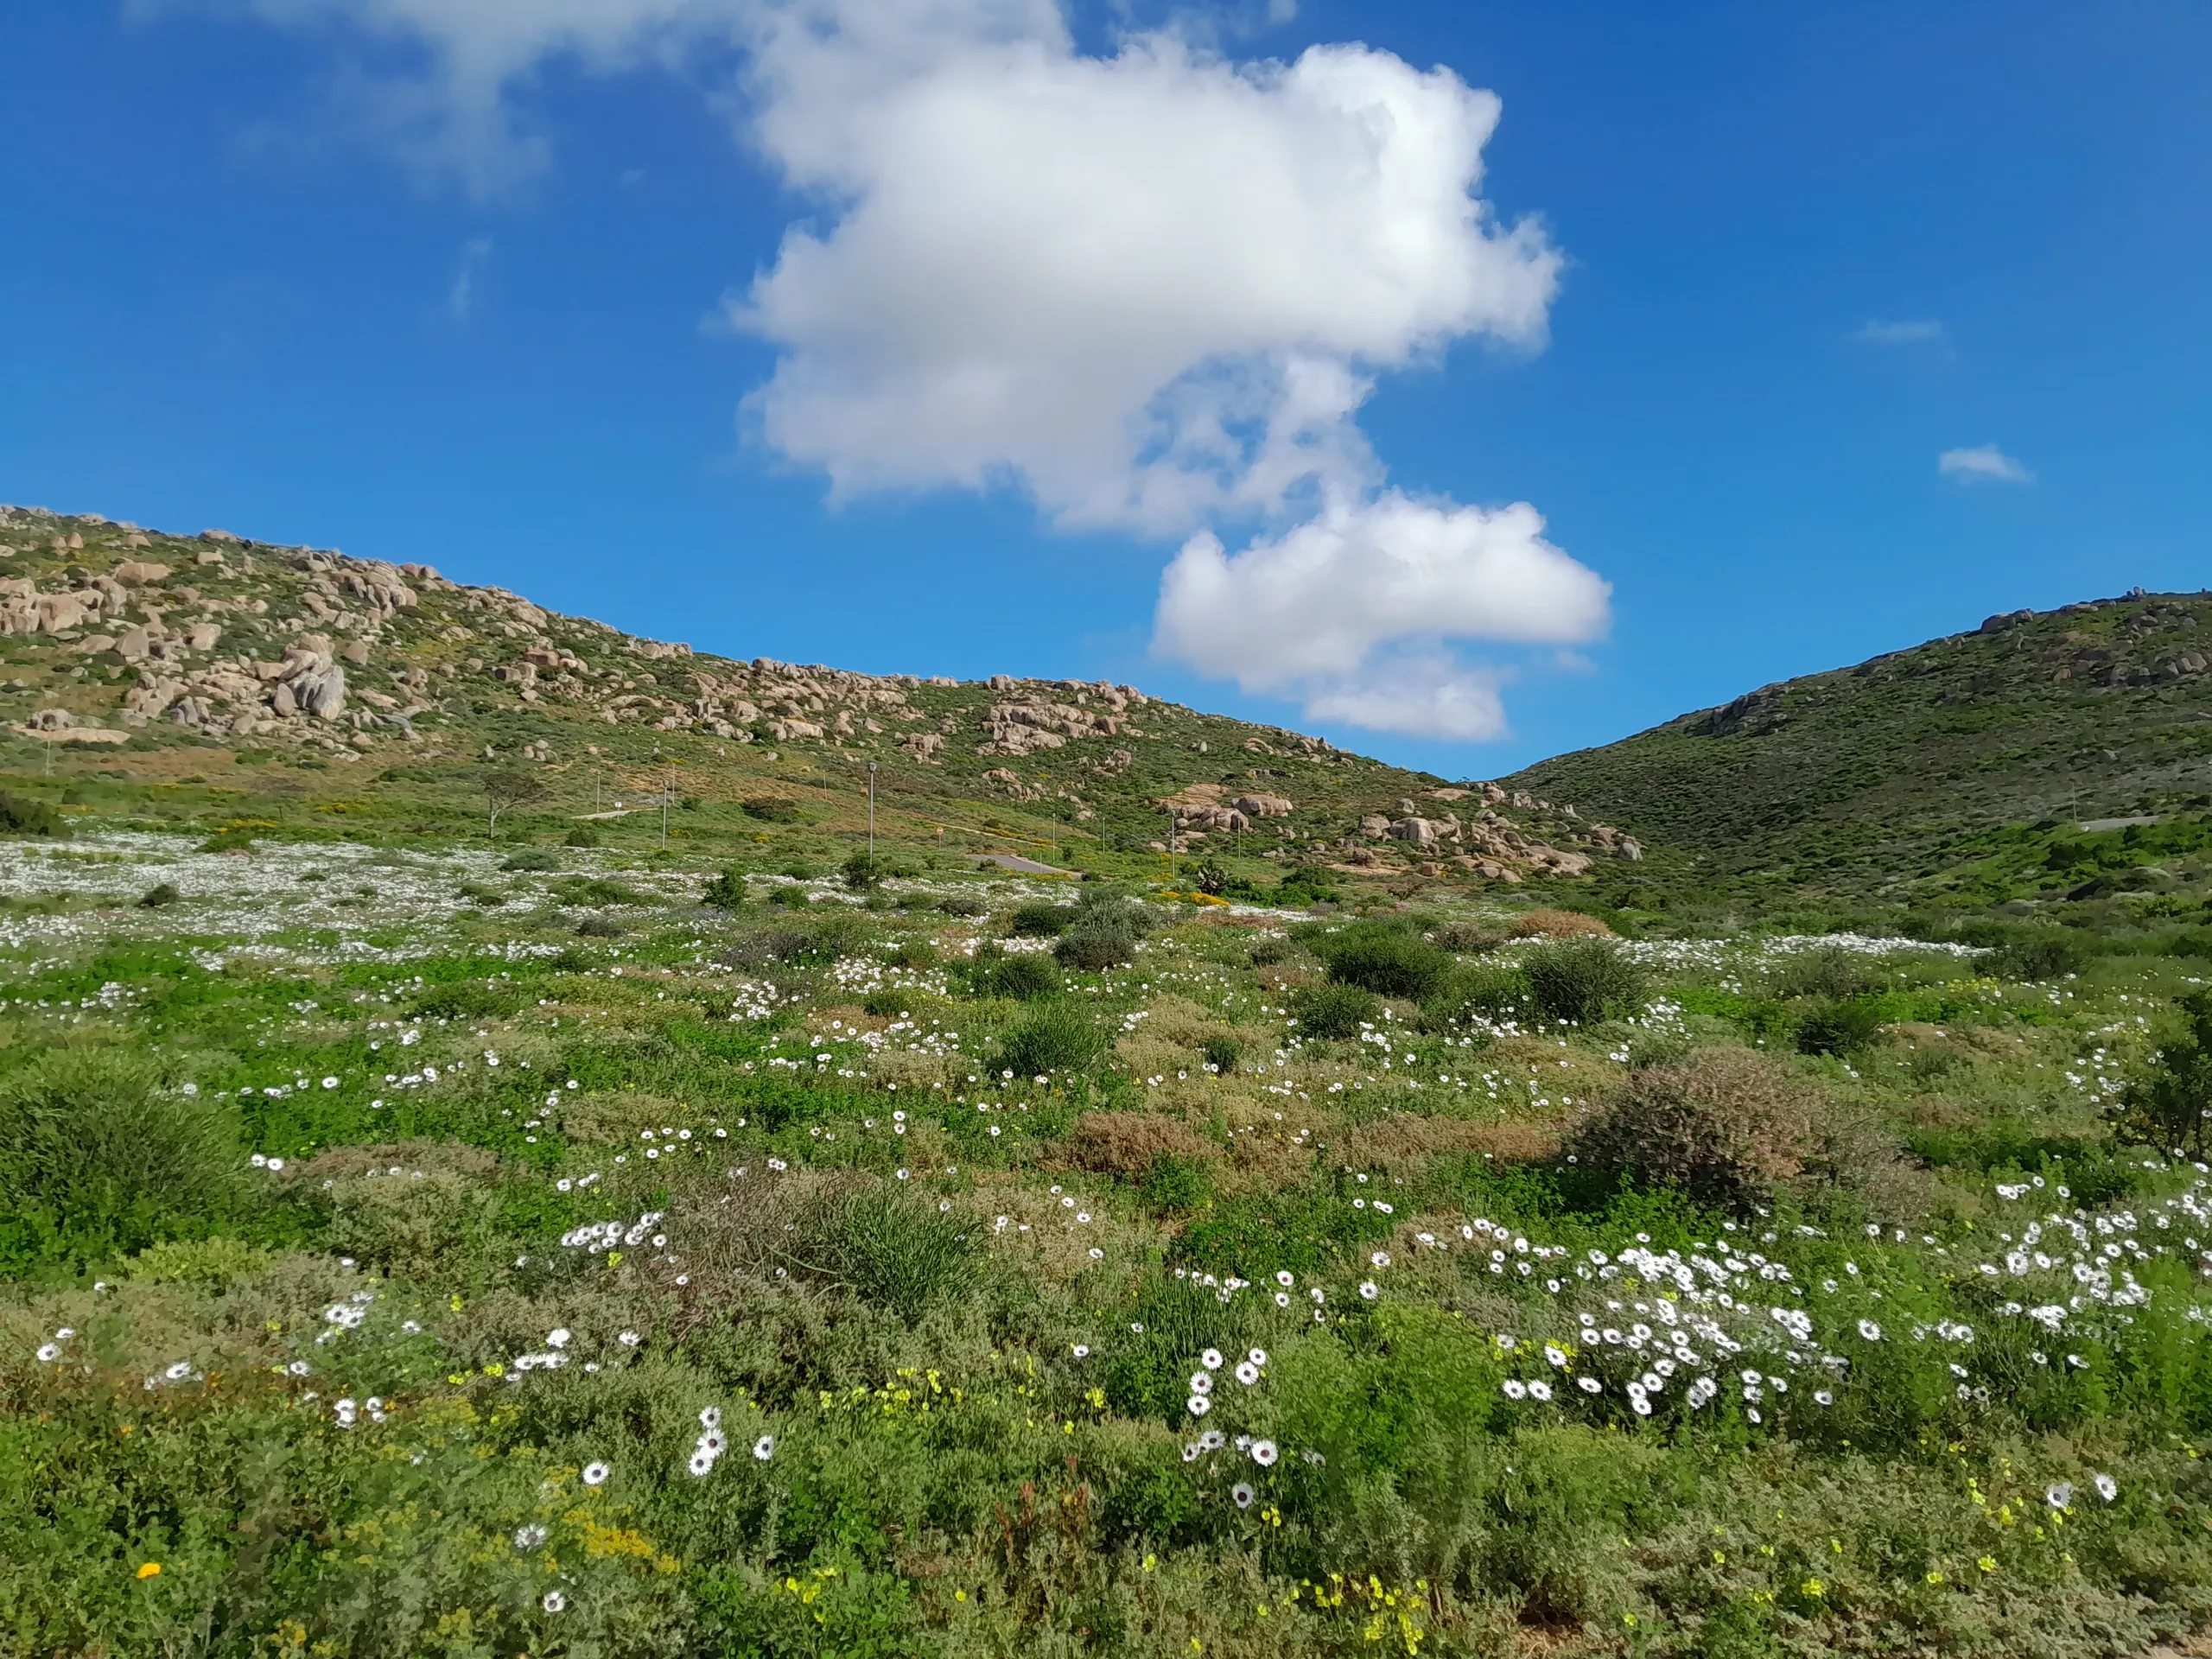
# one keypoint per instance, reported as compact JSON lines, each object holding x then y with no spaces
{"x":210,"y":670}
{"x":1907,"y":768}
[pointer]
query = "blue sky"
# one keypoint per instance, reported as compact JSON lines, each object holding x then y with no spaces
{"x":505,"y":286}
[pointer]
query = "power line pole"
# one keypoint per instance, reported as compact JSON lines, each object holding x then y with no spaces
{"x":667,"y":795}
{"x":871,"y":809}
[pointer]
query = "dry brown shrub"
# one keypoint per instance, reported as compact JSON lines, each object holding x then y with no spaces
{"x":430,"y":1157}
{"x":910,"y":1069}
{"x":849,"y":1016}
{"x":1726,"y":1126}
{"x":1404,"y":1141}
{"x":1550,"y":923}
{"x":1127,"y":1144}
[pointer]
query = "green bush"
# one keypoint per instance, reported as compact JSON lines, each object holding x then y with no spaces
{"x":581,"y":835}
{"x":726,"y":891}
{"x":1834,"y":1025}
{"x":1223,"y":1053}
{"x":1830,"y":972}
{"x":1267,"y":953}
{"x":2168,"y":1107}
{"x":1386,"y":959}
{"x":1055,"y":1037}
{"x":888,"y":1247}
{"x":1109,"y":942}
{"x":1725,"y":1126}
{"x":2046,"y":954}
{"x":791,"y":897}
{"x":599,"y":927}
{"x":95,"y":1153}
{"x":770,"y":809}
{"x":25,"y":815}
{"x":1024,"y":978}
{"x":1332,"y":1012}
{"x":160,"y":895}
{"x":1486,"y":991}
{"x":1039,"y":918}
{"x":1579,"y":981}
{"x":962,"y":904}
{"x":864,"y":872}
{"x":1468,"y":938}
{"x":534,"y":859}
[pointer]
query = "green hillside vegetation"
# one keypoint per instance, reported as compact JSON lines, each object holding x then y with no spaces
{"x":495,"y":1160}
{"x":209,"y":679}
{"x":1959,"y":769}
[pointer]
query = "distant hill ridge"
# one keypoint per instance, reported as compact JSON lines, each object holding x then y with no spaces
{"x":1865,"y":776}
{"x":116,"y":637}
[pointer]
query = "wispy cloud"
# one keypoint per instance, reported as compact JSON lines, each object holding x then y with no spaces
{"x":1907,"y":331}
{"x":460,"y":298}
{"x":1984,"y":464}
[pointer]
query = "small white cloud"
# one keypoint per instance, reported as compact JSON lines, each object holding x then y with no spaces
{"x":460,"y":297}
{"x":1914,"y":330}
{"x":1984,"y":464}
{"x":1415,"y":696}
{"x":1352,"y":612}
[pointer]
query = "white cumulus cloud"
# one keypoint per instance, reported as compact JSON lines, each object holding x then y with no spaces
{"x":1983,"y":464}
{"x":1150,"y":287}
{"x":1329,"y":610}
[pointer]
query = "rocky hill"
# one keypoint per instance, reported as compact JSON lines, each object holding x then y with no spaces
{"x":1911,"y":766}
{"x":217,"y":667}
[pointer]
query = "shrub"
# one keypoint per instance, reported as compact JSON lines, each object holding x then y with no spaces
{"x":1039,"y":920}
{"x":1725,"y":1126}
{"x":93,"y":1151}
{"x":1057,"y":1037}
{"x":1107,"y":942}
{"x":1223,"y":1053}
{"x":770,"y":809}
{"x":162,"y":893}
{"x":1332,"y":1012}
{"x":726,"y":891}
{"x":2170,"y":1107}
{"x":1024,"y":978}
{"x":25,"y":815}
{"x":1470,"y":938}
{"x":419,"y":1223}
{"x":1578,"y":980}
{"x":887,"y":1245}
{"x":581,"y":835}
{"x":1546,"y":924}
{"x":2045,"y":954}
{"x":1490,"y":991}
{"x":1836,"y":1025}
{"x":1829,"y":972}
{"x":536,"y":860}
{"x":791,"y":897}
{"x":1388,"y":961}
{"x":765,"y":945}
{"x":961,"y":904}
{"x":599,"y":927}
{"x":864,"y":872}
{"x":1266,"y":953}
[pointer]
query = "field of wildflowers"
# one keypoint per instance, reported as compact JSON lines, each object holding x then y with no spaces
{"x":433,"y":1250}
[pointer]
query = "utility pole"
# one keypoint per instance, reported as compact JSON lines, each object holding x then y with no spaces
{"x":667,"y":794}
{"x":871,"y":809}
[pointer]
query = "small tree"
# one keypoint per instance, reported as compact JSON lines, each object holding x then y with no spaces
{"x":726,"y":891}
{"x":2168,"y":1110}
{"x":864,"y":872}
{"x":507,"y":788}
